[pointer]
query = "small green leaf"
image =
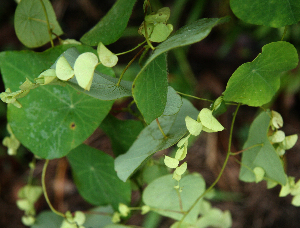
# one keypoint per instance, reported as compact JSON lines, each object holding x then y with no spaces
{"x":181,"y":169}
{"x":173,"y":104}
{"x":30,"y":23}
{"x":276,"y":121}
{"x":84,"y":68}
{"x":171,"y":162}
{"x":209,"y":121}
{"x":160,"y":32}
{"x":259,"y":174}
{"x":107,"y":58}
{"x":95,"y":178}
{"x":261,"y":153}
{"x":183,"y":141}
{"x":277,"y":137}
{"x":161,"y":16}
{"x":63,"y":70}
{"x":289,"y":141}
{"x":193,"y":126}
{"x":46,"y":77}
{"x":276,"y":14}
{"x":168,"y":203}
{"x":296,"y":201}
{"x":110,"y":28}
{"x":255,"y":83}
{"x":181,"y":153}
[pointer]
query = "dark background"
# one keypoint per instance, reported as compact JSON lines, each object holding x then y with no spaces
{"x":202,"y":69}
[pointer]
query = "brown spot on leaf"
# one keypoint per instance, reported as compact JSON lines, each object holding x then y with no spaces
{"x":72,"y":126}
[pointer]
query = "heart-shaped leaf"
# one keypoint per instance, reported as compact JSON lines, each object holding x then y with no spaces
{"x":84,"y":68}
{"x":255,"y":83}
{"x":63,"y":69}
{"x":96,"y":179}
{"x":163,"y":198}
{"x":107,"y":58}
{"x":209,"y":121}
{"x":261,"y":153}
{"x":271,"y":13}
{"x":53,"y":119}
{"x":31,"y":25}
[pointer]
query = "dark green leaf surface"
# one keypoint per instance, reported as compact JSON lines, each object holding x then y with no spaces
{"x":162,"y":197}
{"x":271,"y":13}
{"x":261,"y":156}
{"x":174,"y":102}
{"x":96,"y":179}
{"x":30,"y":23}
{"x":54,"y":119}
{"x":255,"y":83}
{"x":150,"y":89}
{"x":122,"y":133}
{"x":103,"y":86}
{"x":47,"y":219}
{"x":151,"y":140}
{"x":111,"y":26}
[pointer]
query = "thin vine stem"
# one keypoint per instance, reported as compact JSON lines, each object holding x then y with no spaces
{"x":284,"y":32}
{"x":45,"y":191}
{"x":160,"y":128}
{"x":125,"y":52}
{"x":48,"y":23}
{"x":222,"y":169}
{"x":241,"y":151}
{"x":128,"y":65}
{"x":199,"y":98}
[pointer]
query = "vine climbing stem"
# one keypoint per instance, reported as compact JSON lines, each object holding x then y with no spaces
{"x":45,"y":191}
{"x":222,"y":169}
{"x":48,"y":23}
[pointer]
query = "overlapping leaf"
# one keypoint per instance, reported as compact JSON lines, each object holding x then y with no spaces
{"x":261,"y":153}
{"x":110,"y":28}
{"x":255,"y":83}
{"x":103,"y":87}
{"x":96,"y":179}
{"x":53,"y":119}
{"x":150,"y":86}
{"x":151,"y":140}
{"x":271,"y":13}
{"x":31,"y":25}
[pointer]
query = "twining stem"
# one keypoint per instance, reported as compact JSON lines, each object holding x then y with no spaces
{"x":241,"y":151}
{"x":222,"y":169}
{"x":284,"y":32}
{"x":161,"y":130}
{"x":180,"y":201}
{"x":48,"y":23}
{"x":128,"y":65}
{"x":30,"y":176}
{"x":187,"y":95}
{"x":45,"y":191}
{"x":125,"y":52}
{"x":147,"y":37}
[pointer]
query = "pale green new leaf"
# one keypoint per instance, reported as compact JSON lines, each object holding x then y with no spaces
{"x":271,"y":13}
{"x":256,"y":82}
{"x":193,"y":126}
{"x":107,"y":58}
{"x":209,"y":121}
{"x":151,"y":140}
{"x":103,"y":86}
{"x":30,"y":23}
{"x":110,"y":28}
{"x":171,"y":162}
{"x":259,"y":174}
{"x":261,"y":153}
{"x":63,"y":69}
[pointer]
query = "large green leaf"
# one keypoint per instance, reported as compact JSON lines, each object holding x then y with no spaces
{"x":47,"y":219}
{"x":255,"y":83}
{"x":187,"y":35}
{"x":122,"y":133}
{"x":30,"y":23}
{"x":96,"y":179}
{"x":103,"y":86}
{"x":111,"y":26}
{"x":151,"y":140}
{"x":163,"y":198}
{"x":263,"y":156}
{"x":53,"y":119}
{"x":150,"y":89}
{"x":271,"y":13}
{"x":150,"y":86}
